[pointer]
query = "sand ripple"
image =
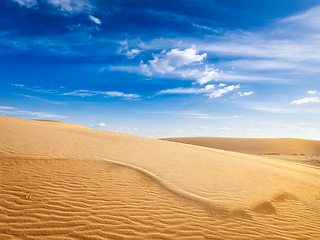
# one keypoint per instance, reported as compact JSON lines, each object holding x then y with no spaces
{"x":73,"y":199}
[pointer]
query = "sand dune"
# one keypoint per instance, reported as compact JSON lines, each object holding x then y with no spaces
{"x":281,"y":146}
{"x":64,"y":182}
{"x":290,"y":149}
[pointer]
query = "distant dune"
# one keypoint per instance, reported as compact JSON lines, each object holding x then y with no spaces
{"x":290,"y":149}
{"x":64,"y":182}
{"x":264,"y":146}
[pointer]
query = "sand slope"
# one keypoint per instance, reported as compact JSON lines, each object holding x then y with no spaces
{"x":57,"y":180}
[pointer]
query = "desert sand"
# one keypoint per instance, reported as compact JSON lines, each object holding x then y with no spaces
{"x":296,"y":150}
{"x":64,"y":181}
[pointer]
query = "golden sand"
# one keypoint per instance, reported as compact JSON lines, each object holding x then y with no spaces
{"x":66,"y":182}
{"x":290,"y":149}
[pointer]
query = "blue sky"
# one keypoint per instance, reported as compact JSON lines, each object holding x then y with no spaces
{"x":232,"y":68}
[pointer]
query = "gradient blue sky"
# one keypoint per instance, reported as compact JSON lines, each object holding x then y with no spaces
{"x":230,"y":68}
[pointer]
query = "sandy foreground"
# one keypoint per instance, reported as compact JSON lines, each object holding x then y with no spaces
{"x":64,"y":181}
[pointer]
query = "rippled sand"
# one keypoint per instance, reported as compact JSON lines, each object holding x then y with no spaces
{"x":65,"y":182}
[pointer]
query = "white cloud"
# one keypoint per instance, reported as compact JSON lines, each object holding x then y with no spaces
{"x":18,"y":85}
{"x":291,"y":45}
{"x":205,"y":76}
{"x":207,"y":28}
{"x":101,"y":125}
{"x":27,"y":3}
{"x":167,"y":62}
{"x":71,"y":6}
{"x":7,"y":108}
{"x":220,"y":92}
{"x":95,"y":20}
{"x":81,"y":93}
{"x":222,"y":85}
{"x":209,"y":90}
{"x":179,"y":91}
{"x":181,"y":63}
{"x":245,"y":93}
{"x":120,"y":94}
{"x":209,"y":87}
{"x":125,"y":50}
{"x":88,"y":93}
{"x":312,"y":92}
{"x":225,"y":129}
{"x":133,"y":52}
{"x":202,"y":127}
{"x":306,"y":100}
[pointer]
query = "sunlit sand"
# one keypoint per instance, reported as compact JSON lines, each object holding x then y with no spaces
{"x":66,"y":181}
{"x":290,"y":149}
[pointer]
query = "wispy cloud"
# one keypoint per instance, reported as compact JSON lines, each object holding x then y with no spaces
{"x":306,"y":100}
{"x":192,"y":114}
{"x":225,"y":129}
{"x":271,"y":109}
{"x":34,"y":88}
{"x":95,"y":20}
{"x":245,"y":93}
{"x":309,"y":19}
{"x":27,"y":3}
{"x":65,"y":6}
{"x":71,"y":6}
{"x":12,"y":111}
{"x":284,"y":108}
{"x":208,"y":90}
{"x":181,"y":90}
{"x":88,"y":93}
{"x":215,"y":30}
{"x":312,"y":92}
{"x":125,"y":50}
{"x":77,"y":93}
{"x":290,"y":45}
{"x":198,"y":127}
{"x":220,"y":92}
{"x":7,"y":108}
{"x":209,"y":117}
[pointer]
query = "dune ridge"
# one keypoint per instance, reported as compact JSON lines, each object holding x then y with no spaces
{"x":62,"y":123}
{"x":231,"y":189}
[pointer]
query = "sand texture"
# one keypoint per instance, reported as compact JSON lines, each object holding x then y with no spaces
{"x":66,"y":182}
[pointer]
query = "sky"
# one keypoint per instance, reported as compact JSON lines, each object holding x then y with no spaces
{"x":184,"y":68}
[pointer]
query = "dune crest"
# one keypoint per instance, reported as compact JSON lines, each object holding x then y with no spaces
{"x":63,"y":124}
